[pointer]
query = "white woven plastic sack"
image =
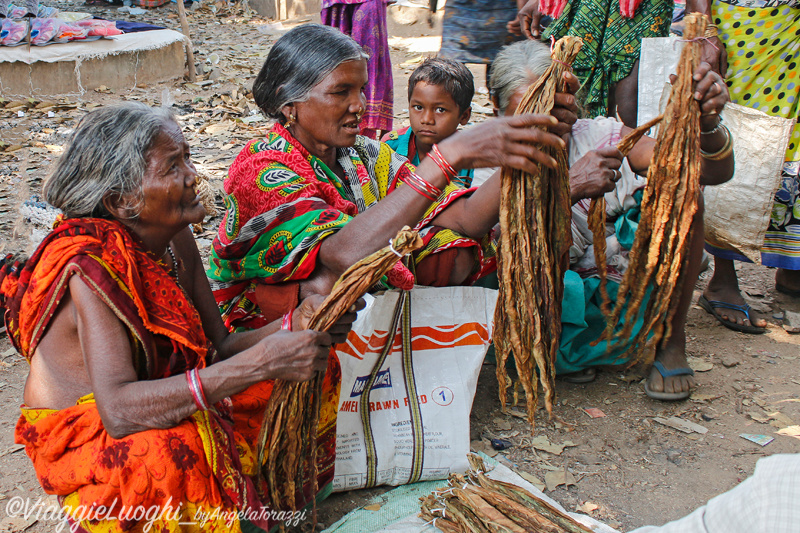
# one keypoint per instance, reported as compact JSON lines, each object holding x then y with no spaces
{"x":414,"y":423}
{"x":738,"y":212}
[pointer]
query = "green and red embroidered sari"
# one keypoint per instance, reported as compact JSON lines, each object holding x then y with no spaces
{"x":282,"y":202}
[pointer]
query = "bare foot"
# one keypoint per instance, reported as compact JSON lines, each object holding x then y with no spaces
{"x":672,"y":358}
{"x":787,"y":281}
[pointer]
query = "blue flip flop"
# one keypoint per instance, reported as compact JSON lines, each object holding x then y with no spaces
{"x":669,"y":396}
{"x":712,"y":305}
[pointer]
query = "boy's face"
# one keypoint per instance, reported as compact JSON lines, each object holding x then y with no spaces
{"x":434,"y":114}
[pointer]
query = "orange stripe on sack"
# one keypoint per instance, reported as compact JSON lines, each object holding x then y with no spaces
{"x":422,"y":338}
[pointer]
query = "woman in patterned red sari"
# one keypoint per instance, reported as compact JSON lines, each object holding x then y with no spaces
{"x":313,"y":197}
{"x":132,"y":401}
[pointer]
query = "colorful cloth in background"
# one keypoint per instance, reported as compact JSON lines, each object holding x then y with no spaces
{"x":282,"y":202}
{"x":192,"y":472}
{"x":611,"y":42}
{"x":473,"y":31}
{"x":403,"y":142}
{"x":763,"y":45}
{"x":554,"y":8}
{"x":582,"y":320}
{"x":151,"y":3}
{"x":12,"y":32}
{"x":32,"y":8}
{"x":365,"y":21}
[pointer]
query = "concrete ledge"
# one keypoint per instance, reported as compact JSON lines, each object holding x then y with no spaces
{"x":77,"y":67}
{"x":286,"y":9}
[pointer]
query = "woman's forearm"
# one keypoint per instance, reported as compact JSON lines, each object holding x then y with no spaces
{"x":475,"y":215}
{"x":130,"y":406}
{"x":699,"y":6}
{"x":714,"y":140}
{"x":237,"y":342}
{"x":510,"y":141}
{"x":164,"y":403}
{"x":372,"y":229}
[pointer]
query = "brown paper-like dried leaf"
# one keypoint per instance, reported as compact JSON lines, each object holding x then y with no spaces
{"x":597,"y":215}
{"x":535,"y":237}
{"x":475,"y":503}
{"x":670,"y":201}
{"x":287,"y":449}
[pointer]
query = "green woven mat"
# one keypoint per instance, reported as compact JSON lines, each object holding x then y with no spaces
{"x":395,"y":505}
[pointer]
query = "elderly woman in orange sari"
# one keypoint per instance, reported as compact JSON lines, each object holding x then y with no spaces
{"x":132,"y":409}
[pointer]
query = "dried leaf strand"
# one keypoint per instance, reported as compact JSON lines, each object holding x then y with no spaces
{"x":534,"y":252}
{"x":670,"y":201}
{"x":597,"y":215}
{"x":476,"y":504}
{"x":287,"y":441}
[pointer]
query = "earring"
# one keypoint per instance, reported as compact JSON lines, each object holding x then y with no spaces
{"x":289,"y":122}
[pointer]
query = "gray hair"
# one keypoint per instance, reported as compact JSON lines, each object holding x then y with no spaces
{"x":514,"y":65}
{"x":106,"y":155}
{"x":297,"y":62}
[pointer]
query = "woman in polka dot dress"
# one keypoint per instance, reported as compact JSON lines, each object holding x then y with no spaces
{"x":762,"y":39}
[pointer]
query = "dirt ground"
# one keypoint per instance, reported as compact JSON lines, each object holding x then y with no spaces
{"x":623,"y":468}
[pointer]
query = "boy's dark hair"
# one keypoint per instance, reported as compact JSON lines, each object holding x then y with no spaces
{"x":452,"y":75}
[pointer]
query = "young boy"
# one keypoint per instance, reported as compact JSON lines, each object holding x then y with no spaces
{"x":439,"y":95}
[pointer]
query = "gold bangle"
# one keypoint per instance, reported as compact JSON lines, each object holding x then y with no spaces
{"x":723,"y":152}
{"x":711,"y":31}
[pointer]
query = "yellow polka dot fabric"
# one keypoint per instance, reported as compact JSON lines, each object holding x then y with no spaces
{"x":763,"y":45}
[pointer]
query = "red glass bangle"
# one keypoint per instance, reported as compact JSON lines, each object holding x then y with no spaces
{"x":427,"y":186}
{"x":423,"y":187}
{"x":420,"y":191}
{"x":196,"y":388}
{"x":448,"y":170}
{"x":286,"y":323}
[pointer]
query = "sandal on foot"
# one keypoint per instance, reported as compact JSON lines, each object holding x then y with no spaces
{"x":668,"y":396}
{"x":587,"y":375}
{"x":712,"y":305}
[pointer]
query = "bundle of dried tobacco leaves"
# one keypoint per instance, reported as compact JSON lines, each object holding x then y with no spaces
{"x":670,"y":201}
{"x":597,"y":213}
{"x":475,"y":503}
{"x":534,"y":251}
{"x":287,"y":443}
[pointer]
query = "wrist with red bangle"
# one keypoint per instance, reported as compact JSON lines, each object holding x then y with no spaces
{"x":286,"y":322}
{"x":196,"y":388}
{"x":421,"y":186}
{"x":436,"y":155}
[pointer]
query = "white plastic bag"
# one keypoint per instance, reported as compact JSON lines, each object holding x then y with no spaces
{"x":416,"y":425}
{"x":737,"y":213}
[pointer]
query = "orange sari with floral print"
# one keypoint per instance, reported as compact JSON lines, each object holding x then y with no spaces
{"x":197,"y":476}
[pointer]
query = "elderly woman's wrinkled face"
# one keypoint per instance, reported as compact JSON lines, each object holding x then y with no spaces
{"x":169,"y":199}
{"x":516,"y":98}
{"x":331,"y":116}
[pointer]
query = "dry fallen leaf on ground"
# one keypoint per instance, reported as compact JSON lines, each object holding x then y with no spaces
{"x":560,"y":477}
